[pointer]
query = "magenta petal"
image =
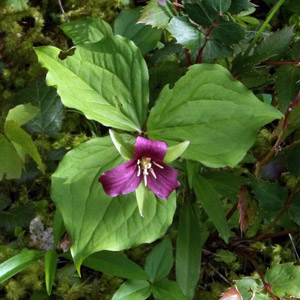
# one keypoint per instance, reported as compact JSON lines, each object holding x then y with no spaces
{"x":121,"y":179}
{"x":165,"y":182}
{"x":152,"y":149}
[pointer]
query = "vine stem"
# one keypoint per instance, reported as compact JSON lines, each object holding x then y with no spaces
{"x":207,"y":37}
{"x":275,"y":148}
{"x":279,"y":215}
{"x":264,"y":25}
{"x":280,"y":63}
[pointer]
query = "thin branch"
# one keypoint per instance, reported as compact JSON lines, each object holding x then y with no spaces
{"x":219,"y":274}
{"x":280,"y":63}
{"x":63,"y":11}
{"x":188,"y":57}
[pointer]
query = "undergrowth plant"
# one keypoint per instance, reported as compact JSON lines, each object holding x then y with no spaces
{"x":180,"y":122}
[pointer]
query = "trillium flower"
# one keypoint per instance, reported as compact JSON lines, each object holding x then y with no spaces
{"x":147,"y":166}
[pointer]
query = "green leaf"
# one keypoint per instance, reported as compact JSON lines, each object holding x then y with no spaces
{"x":22,"y":113}
{"x":156,"y":14}
{"x":4,"y":201}
{"x":210,"y":200}
{"x":17,"y":135}
{"x":115,"y":264}
{"x":10,"y":162}
{"x":287,"y":85}
{"x":270,"y":195}
{"x":186,"y":33}
{"x":145,"y":37}
{"x":284,"y":280}
{"x":50,"y":269}
{"x":51,"y":114}
{"x":125,"y":148}
{"x":294,"y":209}
{"x":190,"y":241}
{"x":205,"y":12}
{"x":18,"y":216}
{"x":215,"y":50}
{"x":18,"y":5}
{"x":239,"y":5}
{"x":107,"y":81}
{"x":58,"y":227}
{"x":159,"y":262}
{"x":18,"y":263}
{"x":87,"y":30}
{"x":174,"y":152}
{"x":133,"y":290}
{"x":207,"y":102}
{"x":228,"y":32}
{"x":167,"y":289}
{"x":142,"y":194}
{"x":96,"y":221}
{"x":39,"y":295}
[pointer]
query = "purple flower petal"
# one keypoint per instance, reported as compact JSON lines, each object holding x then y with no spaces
{"x":153,"y":149}
{"x":121,"y":179}
{"x":165,"y":182}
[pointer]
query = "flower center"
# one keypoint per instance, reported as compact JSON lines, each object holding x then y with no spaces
{"x":145,"y":166}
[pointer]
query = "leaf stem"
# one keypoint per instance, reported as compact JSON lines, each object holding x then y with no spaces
{"x":188,"y":56}
{"x":280,"y":63}
{"x":63,"y":11}
{"x":207,"y":38}
{"x":264,"y":25}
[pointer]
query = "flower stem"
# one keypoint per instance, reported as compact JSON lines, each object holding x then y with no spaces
{"x":264,"y":25}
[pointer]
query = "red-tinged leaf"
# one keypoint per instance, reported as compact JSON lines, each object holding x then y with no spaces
{"x":247,"y":208}
{"x":231,"y":294}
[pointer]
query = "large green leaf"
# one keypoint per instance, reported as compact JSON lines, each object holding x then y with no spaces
{"x":18,"y":263}
{"x":51,"y":111}
{"x":133,"y":290}
{"x":50,"y":269}
{"x":160,"y":261}
{"x":87,"y":30}
{"x":189,"y":244}
{"x":216,"y":113}
{"x":284,"y":280}
{"x":115,"y":264}
{"x":96,"y":221}
{"x":186,"y":33}
{"x":211,"y":202}
{"x":20,"y":137}
{"x":167,"y":289}
{"x":145,"y":37}
{"x":10,"y":162}
{"x":157,"y":14}
{"x":22,"y":113}
{"x":107,"y":81}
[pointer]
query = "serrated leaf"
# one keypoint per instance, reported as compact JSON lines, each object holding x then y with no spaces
{"x":51,"y":114}
{"x":186,"y":33}
{"x":190,"y":241}
{"x":167,"y":289}
{"x":215,"y":50}
{"x":287,"y":85}
{"x":20,"y":137}
{"x":159,"y":262}
{"x":18,"y":263}
{"x":228,"y":32}
{"x":211,"y":202}
{"x":284,"y":280}
{"x":10,"y":162}
{"x":247,"y":208}
{"x":94,"y":220}
{"x":157,"y":14}
{"x":107,"y":81}
{"x":133,"y":290}
{"x":174,"y":152}
{"x":87,"y":30}
{"x":115,"y":264}
{"x":22,"y":113}
{"x":208,"y":102}
{"x":270,"y":195}
{"x":145,"y":37}
{"x":205,"y":12}
{"x":50,"y":269}
{"x":125,"y":148}
{"x":231,"y":294}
